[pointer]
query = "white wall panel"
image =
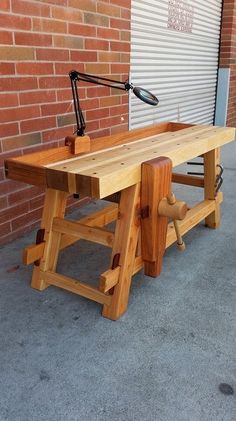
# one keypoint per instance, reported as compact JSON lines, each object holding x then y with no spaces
{"x":179,"y":67}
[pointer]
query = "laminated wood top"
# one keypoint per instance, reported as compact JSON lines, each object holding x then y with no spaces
{"x":118,"y":164}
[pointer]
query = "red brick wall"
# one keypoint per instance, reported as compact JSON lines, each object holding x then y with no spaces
{"x":40,"y":42}
{"x":228,"y":54}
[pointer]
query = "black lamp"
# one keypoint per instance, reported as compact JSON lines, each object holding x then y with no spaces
{"x":75,"y":76}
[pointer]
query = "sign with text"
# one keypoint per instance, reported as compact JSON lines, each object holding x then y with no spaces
{"x":180,"y":15}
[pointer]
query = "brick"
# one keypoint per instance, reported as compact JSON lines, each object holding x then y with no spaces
{"x":110,"y":122}
{"x":227,"y":32}
{"x":224,"y":63}
{"x":97,"y":20}
{"x":124,"y":99}
{"x":30,"y":8}
{"x":88,"y":104}
{"x":97,"y":68}
{"x":14,"y":22}
{"x":81,"y":30}
{"x":109,"y":101}
{"x":83,"y":4}
{"x":83,"y":56}
{"x":68,"y":14}
{"x":41,"y":147}
{"x":125,"y":36}
{"x":66,"y":120}
{"x":108,"y":33}
{"x":100,"y":133}
{"x":108,"y":9}
{"x":34,"y":68}
{"x":5,"y":5}
{"x":226,"y":51}
{"x":65,"y":68}
{"x":125,"y":57}
{"x":3,"y":202}
{"x":9,"y":129}
{"x":68,"y":42}
{"x":8,"y":100}
{"x":119,"y":24}
{"x":58,"y":133}
{"x":119,"y":129}
{"x":97,"y":91}
{"x":18,"y":83}
{"x":119,"y":46}
{"x":8,"y":186}
{"x":24,"y":38}
{"x":37,"y":202}
{"x":97,"y":113}
{"x":122,"y":3}
{"x":36,"y":97}
{"x":18,"y":142}
{"x":37,"y":125}
{"x":5,"y":230}
{"x":120,"y":110}
{"x":7,"y":68}
{"x":19,"y":113}
{"x":96,"y":44}
{"x":56,"y":2}
{"x":2,"y":174}
{"x":126,"y":14}
{"x":6,"y":37}
{"x":92,"y":126}
{"x":49,"y":25}
{"x":11,"y":212}
{"x":23,"y":195}
{"x":54,"y":82}
{"x":108,"y":57}
{"x":120,"y":68}
{"x":66,"y":94}
{"x":28,"y":219}
{"x":55,"y":109}
{"x":16,"y":53}
{"x":52,"y":54}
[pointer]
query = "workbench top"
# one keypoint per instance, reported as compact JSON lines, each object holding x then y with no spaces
{"x":117,"y":165}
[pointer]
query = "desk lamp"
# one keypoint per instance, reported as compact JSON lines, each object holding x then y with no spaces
{"x":75,"y":76}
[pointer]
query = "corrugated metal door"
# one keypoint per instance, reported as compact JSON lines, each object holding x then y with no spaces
{"x":174,"y":54}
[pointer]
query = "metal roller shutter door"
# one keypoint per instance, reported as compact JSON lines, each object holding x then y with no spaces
{"x":174,"y":54}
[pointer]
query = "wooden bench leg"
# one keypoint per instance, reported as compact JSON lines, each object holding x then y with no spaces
{"x":211,"y":160}
{"x":54,"y":205}
{"x":156,"y":184}
{"x":124,"y":249}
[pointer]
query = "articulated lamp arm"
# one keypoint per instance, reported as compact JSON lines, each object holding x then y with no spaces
{"x":75,"y":76}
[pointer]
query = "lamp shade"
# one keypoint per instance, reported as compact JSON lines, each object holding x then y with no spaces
{"x":145,"y":96}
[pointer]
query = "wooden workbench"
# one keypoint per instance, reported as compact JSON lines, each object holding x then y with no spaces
{"x":138,"y":164}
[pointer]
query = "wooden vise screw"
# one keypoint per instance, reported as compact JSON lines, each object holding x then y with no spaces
{"x":176,"y":210}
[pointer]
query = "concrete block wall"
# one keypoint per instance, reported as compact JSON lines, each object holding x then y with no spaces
{"x":228,"y":54}
{"x":40,"y":42}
